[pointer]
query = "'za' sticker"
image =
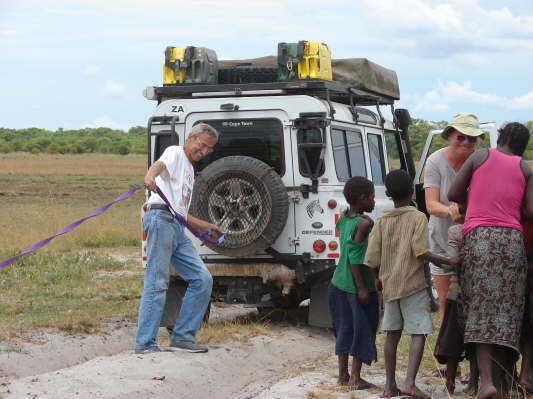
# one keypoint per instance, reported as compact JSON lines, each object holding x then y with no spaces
{"x":312,"y":207}
{"x":177,"y":108}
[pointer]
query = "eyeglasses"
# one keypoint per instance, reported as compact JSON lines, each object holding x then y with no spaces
{"x":461,"y":137}
{"x":204,"y":146}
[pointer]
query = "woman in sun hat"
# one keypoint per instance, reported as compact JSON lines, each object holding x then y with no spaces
{"x":441,"y":168}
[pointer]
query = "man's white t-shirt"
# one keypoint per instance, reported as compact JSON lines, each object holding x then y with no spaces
{"x":176,"y":181}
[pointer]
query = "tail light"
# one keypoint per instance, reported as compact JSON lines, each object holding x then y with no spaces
{"x":319,"y":246}
{"x":333,"y":245}
{"x":332,"y":204}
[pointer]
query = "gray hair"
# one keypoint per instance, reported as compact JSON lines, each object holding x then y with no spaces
{"x":204,"y":128}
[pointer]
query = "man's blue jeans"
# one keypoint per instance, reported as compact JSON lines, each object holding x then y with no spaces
{"x":168,"y":244}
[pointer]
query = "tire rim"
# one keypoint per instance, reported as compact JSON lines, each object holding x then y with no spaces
{"x":241,"y":206}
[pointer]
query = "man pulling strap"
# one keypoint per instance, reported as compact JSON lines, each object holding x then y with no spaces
{"x":167,"y":244}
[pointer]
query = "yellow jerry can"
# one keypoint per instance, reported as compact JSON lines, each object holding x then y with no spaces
{"x":173,"y":72}
{"x":316,"y":63}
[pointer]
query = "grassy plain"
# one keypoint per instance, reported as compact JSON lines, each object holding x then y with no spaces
{"x":73,"y":282}
{"x":43,"y":193}
{"x":64,"y":284}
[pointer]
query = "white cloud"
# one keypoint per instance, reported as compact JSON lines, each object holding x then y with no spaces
{"x":72,"y":11}
{"x":464,"y":93}
{"x":8,"y":33}
{"x":452,"y":93}
{"x":90,"y":70}
{"x":522,"y":102}
{"x":471,"y":60}
{"x":417,"y":14}
{"x":114,"y":89}
{"x":448,"y":28}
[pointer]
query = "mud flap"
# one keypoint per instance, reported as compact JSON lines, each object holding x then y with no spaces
{"x":319,"y":315}
{"x":175,"y":293}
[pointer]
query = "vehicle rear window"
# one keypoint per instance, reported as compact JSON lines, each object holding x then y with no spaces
{"x":163,"y":140}
{"x":257,"y":138}
{"x":306,"y":136}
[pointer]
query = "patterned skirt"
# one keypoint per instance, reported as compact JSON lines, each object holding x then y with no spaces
{"x":493,"y":283}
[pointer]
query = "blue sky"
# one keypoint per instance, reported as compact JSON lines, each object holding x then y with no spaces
{"x":76,"y":64}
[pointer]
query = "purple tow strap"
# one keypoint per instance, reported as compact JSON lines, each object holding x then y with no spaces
{"x":202,"y":236}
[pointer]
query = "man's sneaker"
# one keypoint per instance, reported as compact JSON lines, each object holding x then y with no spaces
{"x":150,"y":349}
{"x":187,"y":346}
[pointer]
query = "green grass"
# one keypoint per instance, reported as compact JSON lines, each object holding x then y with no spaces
{"x":40,"y":195}
{"x":65,"y":290}
{"x":241,"y":329}
{"x":71,"y":282}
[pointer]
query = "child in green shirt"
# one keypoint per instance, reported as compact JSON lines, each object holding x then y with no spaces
{"x":353,"y":300}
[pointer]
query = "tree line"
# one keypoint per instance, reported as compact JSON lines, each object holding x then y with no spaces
{"x":106,"y":140}
{"x":101,"y":139}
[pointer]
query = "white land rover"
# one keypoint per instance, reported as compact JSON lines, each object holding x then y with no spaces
{"x":274,"y":181}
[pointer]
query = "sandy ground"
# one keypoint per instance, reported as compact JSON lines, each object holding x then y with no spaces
{"x":52,"y":364}
{"x":291,"y":362}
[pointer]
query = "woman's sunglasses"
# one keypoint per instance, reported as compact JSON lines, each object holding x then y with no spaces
{"x":471,"y":139}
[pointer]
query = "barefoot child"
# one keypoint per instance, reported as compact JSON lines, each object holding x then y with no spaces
{"x":352,"y":298}
{"x":398,"y":246}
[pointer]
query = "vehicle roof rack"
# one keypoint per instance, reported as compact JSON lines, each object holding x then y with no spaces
{"x":324,"y":89}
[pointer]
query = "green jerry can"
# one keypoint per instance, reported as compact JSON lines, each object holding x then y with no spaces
{"x":201,"y":65}
{"x":289,"y":56}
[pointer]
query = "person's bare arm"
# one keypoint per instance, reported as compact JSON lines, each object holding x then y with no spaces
{"x":361,"y":232}
{"x":202,"y":225}
{"x":433,"y":204}
{"x":528,"y":197}
{"x":458,"y":190}
{"x":363,"y":228}
{"x":439,"y":260}
{"x":362,"y":291}
{"x":432,"y":183}
{"x":154,"y":171}
{"x":456,"y":214}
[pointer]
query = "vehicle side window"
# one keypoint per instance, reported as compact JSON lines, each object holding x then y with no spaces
{"x":366,"y":116}
{"x":393,"y":151}
{"x":339,"y":154}
{"x":377,"y":161}
{"x":348,"y":153}
{"x":356,"y":154}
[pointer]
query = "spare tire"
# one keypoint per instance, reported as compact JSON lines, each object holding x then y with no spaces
{"x":244,"y":197}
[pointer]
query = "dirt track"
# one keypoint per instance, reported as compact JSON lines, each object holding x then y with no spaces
{"x":57,"y":365}
{"x":291,"y":362}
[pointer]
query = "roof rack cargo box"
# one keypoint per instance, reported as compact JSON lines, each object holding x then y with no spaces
{"x":359,"y":73}
{"x":366,"y":75}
